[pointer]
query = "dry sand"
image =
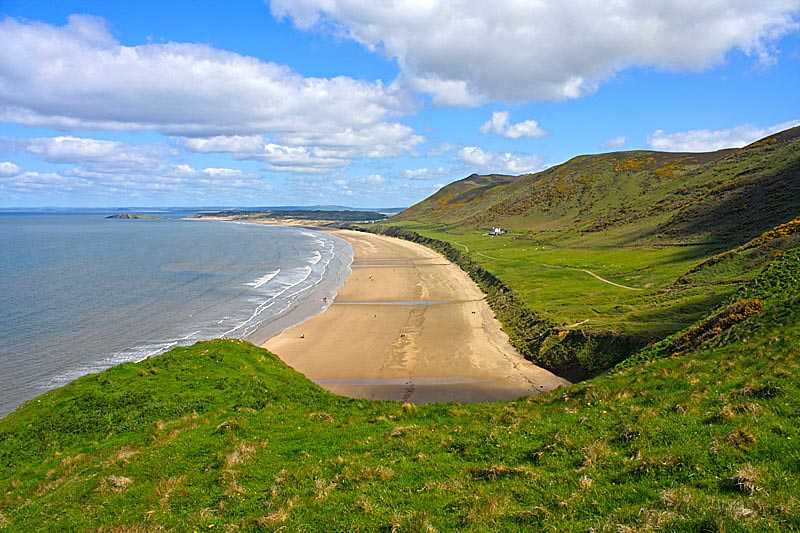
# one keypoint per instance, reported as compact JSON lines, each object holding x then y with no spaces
{"x":409,"y":325}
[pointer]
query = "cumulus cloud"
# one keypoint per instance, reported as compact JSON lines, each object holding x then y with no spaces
{"x":183,"y":184}
{"x":378,"y":140}
{"x":499,"y":124}
{"x":501,"y":162}
{"x":33,"y":182}
{"x":222,"y":172}
{"x":296,"y":159}
{"x":374,"y":179}
{"x":313,"y":152}
{"x":462,"y":53}
{"x":97,"y":167}
{"x":79,"y":76}
{"x":276,"y":157}
{"x":108,"y":156}
{"x":616,"y":142}
{"x":9,"y":169}
{"x":475,"y":156}
{"x":709,"y":140}
{"x":234,"y":144}
{"x":424,"y":173}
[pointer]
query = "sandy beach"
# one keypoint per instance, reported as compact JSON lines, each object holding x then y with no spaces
{"x":409,"y":325}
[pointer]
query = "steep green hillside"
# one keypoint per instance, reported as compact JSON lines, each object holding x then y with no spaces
{"x":697,"y":433}
{"x":459,"y":200}
{"x":629,"y":245}
{"x":639,"y":195}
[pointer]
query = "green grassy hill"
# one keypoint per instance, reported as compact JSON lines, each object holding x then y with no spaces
{"x":635,"y":196}
{"x":631,"y":246}
{"x":696,"y":433}
{"x":460,"y":199}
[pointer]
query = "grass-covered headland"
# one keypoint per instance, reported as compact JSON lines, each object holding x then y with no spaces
{"x":700,"y":432}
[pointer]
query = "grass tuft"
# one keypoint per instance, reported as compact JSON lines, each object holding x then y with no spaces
{"x":115,"y":484}
{"x":496,"y":472}
{"x":746,"y":480}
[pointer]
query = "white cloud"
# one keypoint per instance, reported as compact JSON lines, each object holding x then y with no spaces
{"x":183,"y":184}
{"x":424,"y":173}
{"x":374,"y":179}
{"x":378,"y":140}
{"x":500,"y":125}
{"x":313,"y":152}
{"x":242,"y":144}
{"x":9,"y":169}
{"x":110,"y":156}
{"x":276,"y":157}
{"x":616,"y":142}
{"x":501,"y":162}
{"x":297,"y":159}
{"x":36,"y":182}
{"x":97,"y":167}
{"x":710,"y":140}
{"x":217,"y":172}
{"x":463,"y":53}
{"x":79,"y":76}
{"x":475,"y":156}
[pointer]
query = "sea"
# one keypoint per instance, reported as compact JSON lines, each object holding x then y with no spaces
{"x":80,"y":293}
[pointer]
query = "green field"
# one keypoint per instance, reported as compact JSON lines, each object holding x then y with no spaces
{"x":222,"y":435}
{"x":550,"y":279}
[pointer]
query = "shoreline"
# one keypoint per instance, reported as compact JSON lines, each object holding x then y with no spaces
{"x":316,"y":299}
{"x":408,"y":325}
{"x":320,"y":297}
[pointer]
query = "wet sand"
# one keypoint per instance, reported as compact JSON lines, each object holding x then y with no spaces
{"x":409,"y":325}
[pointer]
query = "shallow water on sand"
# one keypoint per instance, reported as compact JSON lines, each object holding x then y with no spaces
{"x":80,"y":293}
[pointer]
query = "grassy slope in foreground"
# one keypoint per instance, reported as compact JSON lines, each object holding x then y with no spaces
{"x":701,"y":432}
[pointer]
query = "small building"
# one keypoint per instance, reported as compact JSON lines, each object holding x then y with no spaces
{"x":496,"y":231}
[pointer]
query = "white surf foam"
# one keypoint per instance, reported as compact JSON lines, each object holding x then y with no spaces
{"x":299,"y":277}
{"x":263,"y":280}
{"x":133,"y":355}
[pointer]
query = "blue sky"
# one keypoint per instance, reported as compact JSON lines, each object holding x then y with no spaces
{"x":368,"y":103}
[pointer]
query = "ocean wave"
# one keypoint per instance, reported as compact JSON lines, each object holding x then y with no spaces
{"x":132,"y":355}
{"x":302,"y":275}
{"x":319,"y":266}
{"x":263,"y":280}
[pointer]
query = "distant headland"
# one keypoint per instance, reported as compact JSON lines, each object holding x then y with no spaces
{"x":132,"y":216}
{"x":311,"y":217}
